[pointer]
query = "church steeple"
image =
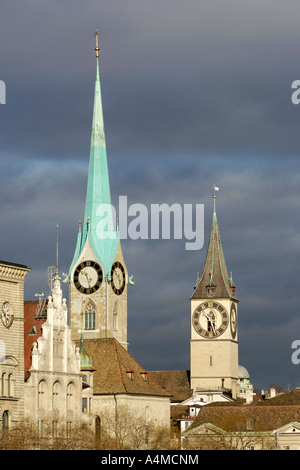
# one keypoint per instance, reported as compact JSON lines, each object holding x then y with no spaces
{"x":214,"y":281}
{"x":98,"y":225}
{"x":98,"y":278}
{"x":214,"y":332}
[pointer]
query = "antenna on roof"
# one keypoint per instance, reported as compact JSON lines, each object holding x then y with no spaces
{"x":56,"y":272}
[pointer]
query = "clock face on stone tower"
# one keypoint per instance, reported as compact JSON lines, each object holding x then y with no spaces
{"x":88,"y":277}
{"x":117,"y":278}
{"x":210,"y":320}
{"x":233,"y":320}
{"x":6,"y":316}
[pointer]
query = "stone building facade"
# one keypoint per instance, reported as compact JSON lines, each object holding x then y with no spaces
{"x":53,"y":386}
{"x":12,"y":343}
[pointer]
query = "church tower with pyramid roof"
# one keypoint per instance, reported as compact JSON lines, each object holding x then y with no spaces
{"x":214,"y":337}
{"x":98,"y":276}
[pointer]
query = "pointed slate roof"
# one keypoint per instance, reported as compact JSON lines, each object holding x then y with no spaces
{"x":214,"y":281}
{"x":98,"y":223}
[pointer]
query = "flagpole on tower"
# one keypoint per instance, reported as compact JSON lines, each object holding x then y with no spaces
{"x":56,"y":274}
{"x":215,"y":189}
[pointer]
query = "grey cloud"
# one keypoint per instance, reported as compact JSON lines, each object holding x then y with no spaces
{"x":193,"y":95}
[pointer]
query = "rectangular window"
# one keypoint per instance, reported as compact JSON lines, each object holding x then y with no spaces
{"x":89,"y":323}
{"x":210,"y":361}
{"x":84,"y":405}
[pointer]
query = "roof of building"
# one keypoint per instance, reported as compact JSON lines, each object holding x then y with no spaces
{"x":6,"y":263}
{"x":243,"y":373}
{"x":117,"y":372}
{"x":266,"y":415}
{"x":33,"y":321}
{"x":175,"y":382}
{"x":214,"y":280}
{"x":288,"y":398}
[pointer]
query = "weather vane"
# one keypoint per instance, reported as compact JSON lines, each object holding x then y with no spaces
{"x":97,"y":48}
{"x":215,"y":188}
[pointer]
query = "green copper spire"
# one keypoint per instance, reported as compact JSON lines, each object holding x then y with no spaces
{"x":98,"y":225}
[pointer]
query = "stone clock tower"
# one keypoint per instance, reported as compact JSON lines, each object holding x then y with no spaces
{"x":98,"y":277}
{"x":214,"y":339}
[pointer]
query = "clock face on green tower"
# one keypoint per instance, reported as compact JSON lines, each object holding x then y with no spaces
{"x":117,"y":278}
{"x":210,"y":320}
{"x":88,"y":277}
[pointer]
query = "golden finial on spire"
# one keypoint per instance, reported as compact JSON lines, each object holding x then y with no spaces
{"x":97,"y":48}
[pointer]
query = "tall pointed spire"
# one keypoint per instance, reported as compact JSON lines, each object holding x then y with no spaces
{"x":98,"y":225}
{"x":214,"y":281}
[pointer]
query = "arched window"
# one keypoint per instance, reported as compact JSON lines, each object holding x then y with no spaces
{"x":70,"y":396}
{"x":42,"y":387}
{"x":56,"y":396}
{"x":9,"y":385}
{"x":90,"y":316}
{"x":5,"y":420}
{"x":3,"y":384}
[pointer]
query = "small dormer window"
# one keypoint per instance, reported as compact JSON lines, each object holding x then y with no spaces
{"x":211,"y":287}
{"x":210,"y":291}
{"x":130,"y":374}
{"x":144,"y":375}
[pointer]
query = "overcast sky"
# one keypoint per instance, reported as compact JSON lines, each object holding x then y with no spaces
{"x":195,"y":93}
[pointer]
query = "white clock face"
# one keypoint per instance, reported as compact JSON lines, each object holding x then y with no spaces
{"x":210,"y":320}
{"x":88,"y":277}
{"x":6,"y":315}
{"x":118,"y":278}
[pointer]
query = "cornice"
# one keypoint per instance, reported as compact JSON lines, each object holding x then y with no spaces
{"x":13,"y":271}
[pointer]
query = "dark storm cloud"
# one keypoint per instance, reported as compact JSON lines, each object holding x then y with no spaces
{"x":210,"y":77}
{"x":195,"y":93}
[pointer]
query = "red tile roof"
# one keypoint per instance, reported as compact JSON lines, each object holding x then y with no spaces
{"x":32,"y":331}
{"x":116,"y":371}
{"x":175,"y":382}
